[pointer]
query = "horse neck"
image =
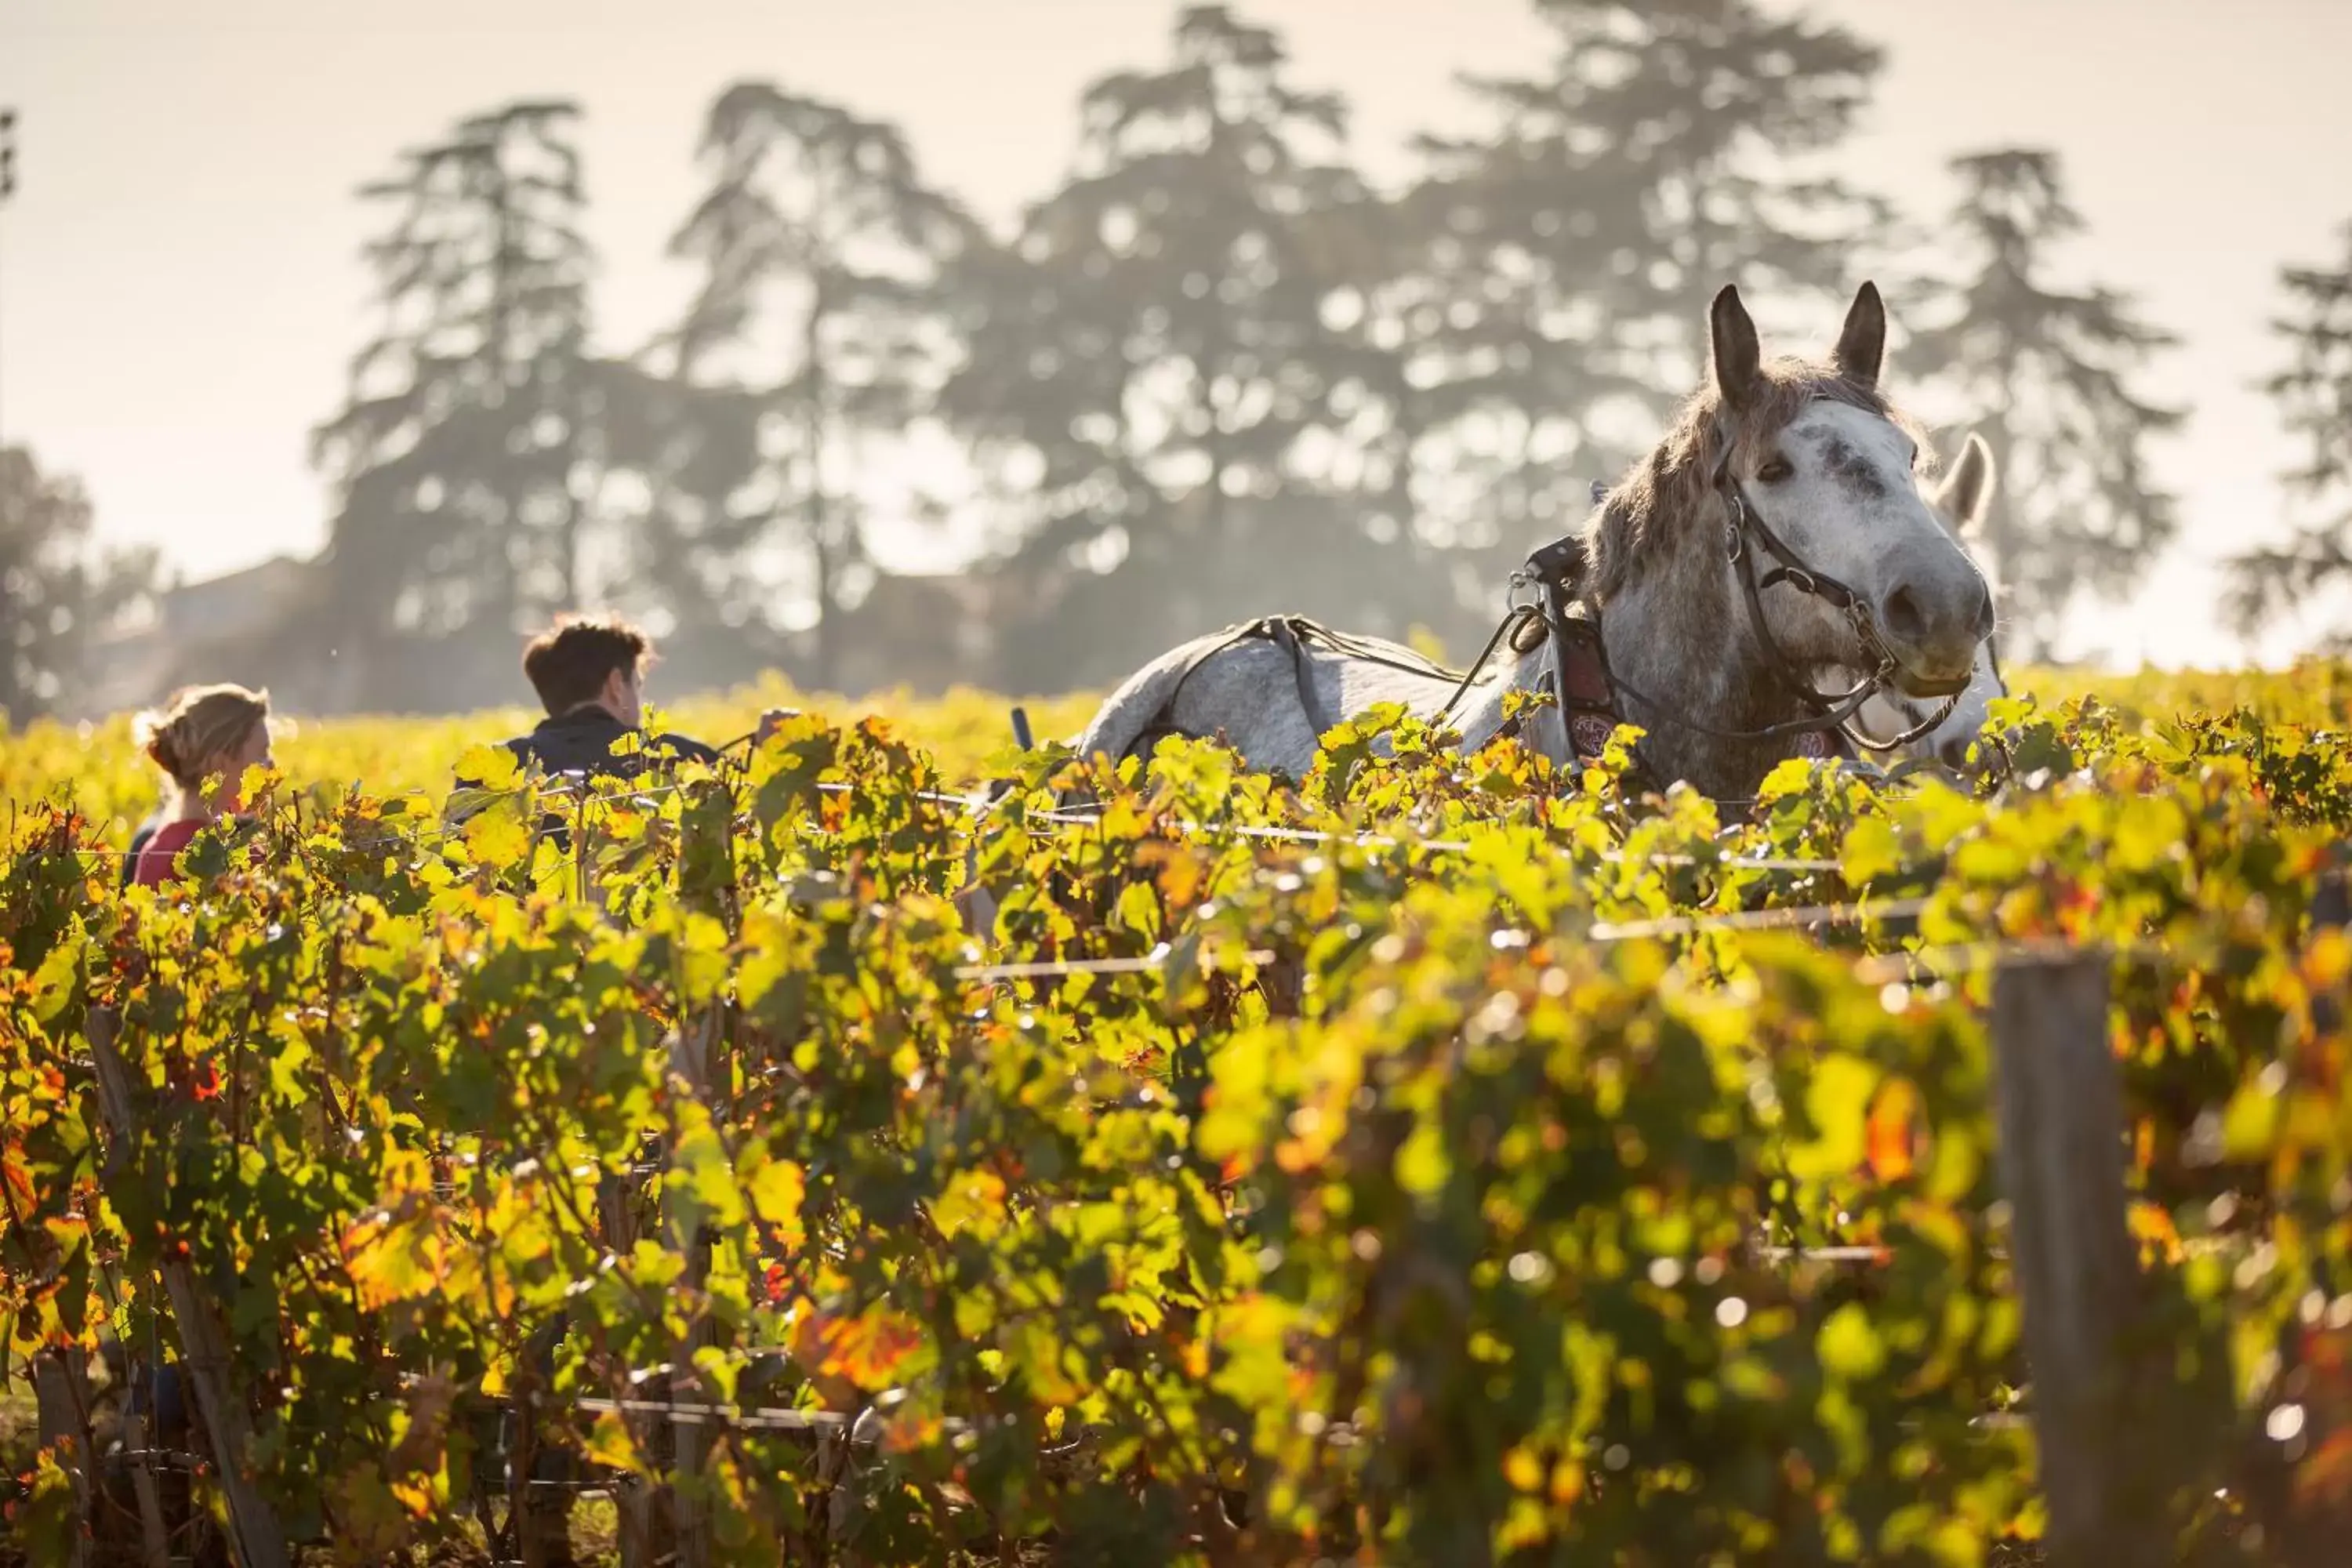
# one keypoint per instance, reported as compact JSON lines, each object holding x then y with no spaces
{"x":1677,"y":632}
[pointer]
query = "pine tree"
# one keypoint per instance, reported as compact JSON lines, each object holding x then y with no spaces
{"x":824,"y":259}
{"x":2048,"y":376}
{"x":458,"y":450}
{"x":2315,"y":396}
{"x":1154,"y":345}
{"x":1570,"y":248}
{"x":60,"y":588}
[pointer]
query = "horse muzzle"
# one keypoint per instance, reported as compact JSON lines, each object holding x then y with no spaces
{"x":1912,"y":684}
{"x":1932,"y":639}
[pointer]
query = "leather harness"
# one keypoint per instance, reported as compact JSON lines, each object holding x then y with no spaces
{"x":1580,"y":677}
{"x":1580,"y":680}
{"x":1299,"y":636}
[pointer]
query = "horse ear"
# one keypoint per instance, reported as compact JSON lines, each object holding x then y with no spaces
{"x":1967,"y":491}
{"x":1861,"y":345}
{"x":1738,"y":358}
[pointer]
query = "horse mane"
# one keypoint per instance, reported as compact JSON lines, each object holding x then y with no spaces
{"x":1662,"y":500}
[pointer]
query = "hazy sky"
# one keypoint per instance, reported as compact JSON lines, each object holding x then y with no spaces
{"x":180,"y":285}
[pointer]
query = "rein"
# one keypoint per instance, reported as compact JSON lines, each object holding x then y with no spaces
{"x":2000,"y":683}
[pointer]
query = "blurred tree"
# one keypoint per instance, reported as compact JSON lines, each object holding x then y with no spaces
{"x":1364,"y":438}
{"x":2315,"y":394}
{"x":59,"y":588}
{"x":679,"y":553}
{"x":2047,"y":376}
{"x":1153,"y":350}
{"x":821,"y":317}
{"x":1556,"y":309}
{"x":459,"y":454}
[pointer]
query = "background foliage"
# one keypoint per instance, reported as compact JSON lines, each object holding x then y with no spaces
{"x":1213,"y":370}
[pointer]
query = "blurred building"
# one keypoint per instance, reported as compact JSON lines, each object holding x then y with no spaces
{"x":928,"y":631}
{"x":273,"y":624}
{"x":235,"y":626}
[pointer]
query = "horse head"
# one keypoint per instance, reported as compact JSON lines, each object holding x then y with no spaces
{"x":1826,"y":464}
{"x":1779,"y":535}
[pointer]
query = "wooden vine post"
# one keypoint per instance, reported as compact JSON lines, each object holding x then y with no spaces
{"x":154,"y":1545}
{"x":692,"y":1049}
{"x":61,"y":1396}
{"x":633,"y":1504}
{"x":2331,"y":909}
{"x":700,"y":1075}
{"x":253,"y":1530}
{"x":2097,"y":1427}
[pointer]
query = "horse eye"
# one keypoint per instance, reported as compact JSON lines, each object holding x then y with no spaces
{"x":1774,"y":470}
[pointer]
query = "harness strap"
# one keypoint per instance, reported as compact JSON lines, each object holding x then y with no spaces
{"x":1296,"y":635}
{"x":1302,"y":671}
{"x":1364,"y":649}
{"x":1587,"y":689}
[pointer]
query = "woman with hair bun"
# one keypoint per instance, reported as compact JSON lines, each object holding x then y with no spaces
{"x":202,"y":739}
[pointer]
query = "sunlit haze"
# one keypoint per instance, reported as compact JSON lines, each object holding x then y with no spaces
{"x":181,"y":288}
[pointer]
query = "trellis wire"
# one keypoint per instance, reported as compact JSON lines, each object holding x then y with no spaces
{"x":1047,"y":969}
{"x":1887,"y":968}
{"x":1599,"y":931}
{"x":1906,"y":966}
{"x":1062,"y":817}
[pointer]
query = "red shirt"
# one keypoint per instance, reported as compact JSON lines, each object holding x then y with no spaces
{"x":156,"y":855}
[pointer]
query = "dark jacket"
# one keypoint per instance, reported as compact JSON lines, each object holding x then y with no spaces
{"x":582,"y":739}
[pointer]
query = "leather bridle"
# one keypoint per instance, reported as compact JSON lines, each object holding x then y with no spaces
{"x":2001,"y":685}
{"x":1743,"y":522}
{"x":1553,"y":571}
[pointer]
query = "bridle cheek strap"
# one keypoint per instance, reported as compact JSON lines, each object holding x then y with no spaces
{"x":1742,"y":523}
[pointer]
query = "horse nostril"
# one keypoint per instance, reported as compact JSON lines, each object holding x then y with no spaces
{"x":1954,"y":749}
{"x":1901,"y":615}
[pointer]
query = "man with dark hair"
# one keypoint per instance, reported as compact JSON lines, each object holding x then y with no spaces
{"x":588,"y":673}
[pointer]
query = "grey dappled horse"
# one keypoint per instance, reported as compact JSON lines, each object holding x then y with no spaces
{"x":1774,"y":539}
